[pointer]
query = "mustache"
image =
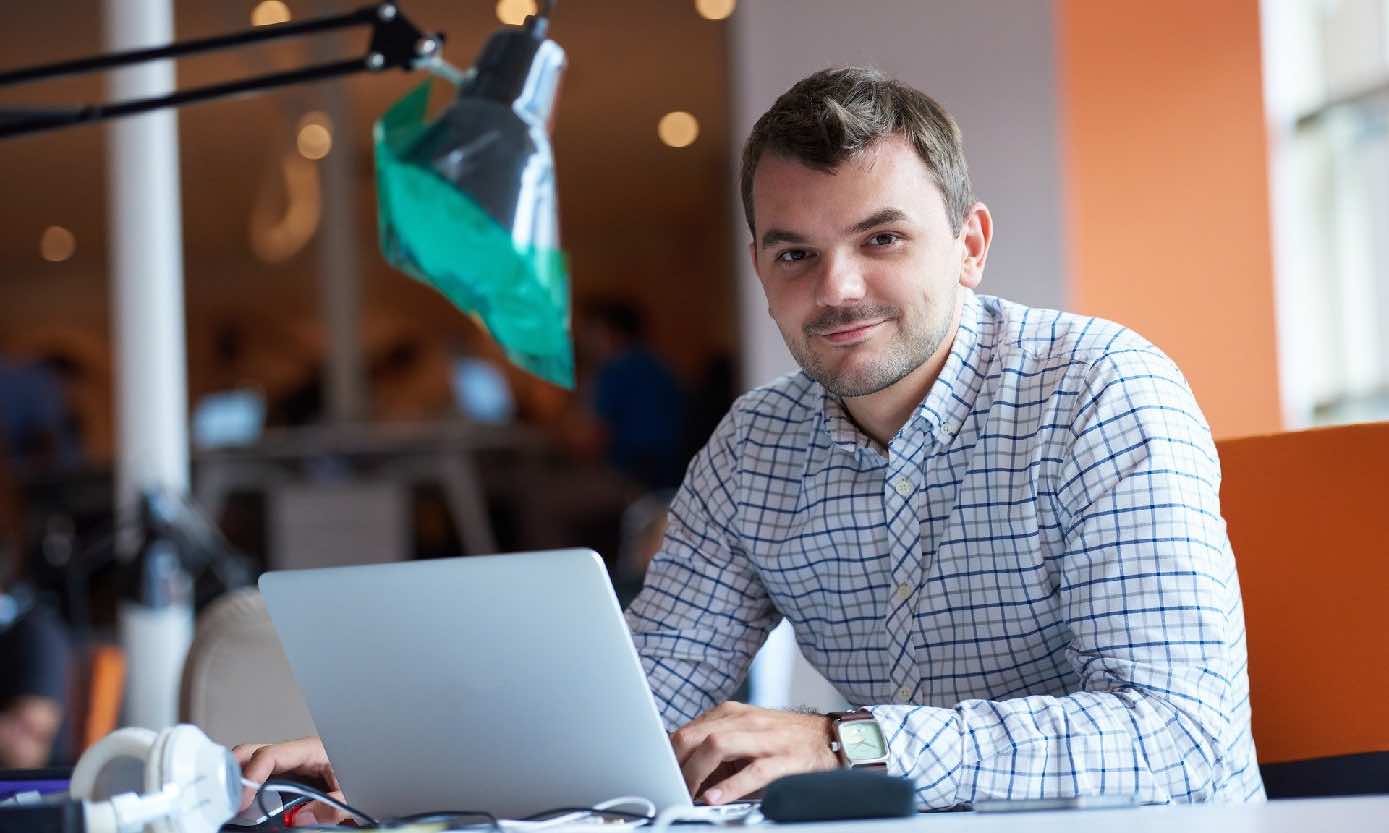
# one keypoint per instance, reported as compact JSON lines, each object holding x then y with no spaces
{"x":839,"y":317}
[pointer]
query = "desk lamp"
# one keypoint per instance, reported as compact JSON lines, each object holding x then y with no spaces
{"x":466,"y":203}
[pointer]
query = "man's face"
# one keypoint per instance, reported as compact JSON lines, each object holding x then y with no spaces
{"x":861,"y":269}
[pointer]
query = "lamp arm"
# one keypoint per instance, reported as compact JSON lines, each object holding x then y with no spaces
{"x":395,"y":42}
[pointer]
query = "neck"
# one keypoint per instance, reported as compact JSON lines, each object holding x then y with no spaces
{"x":881,"y":415}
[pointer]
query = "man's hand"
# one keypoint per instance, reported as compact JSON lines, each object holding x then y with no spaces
{"x":761,"y":744}
{"x":299,"y":760}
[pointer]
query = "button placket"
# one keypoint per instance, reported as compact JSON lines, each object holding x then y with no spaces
{"x":901,"y":501}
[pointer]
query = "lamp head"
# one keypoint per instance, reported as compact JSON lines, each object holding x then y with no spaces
{"x":468,"y":201}
{"x":492,"y":142}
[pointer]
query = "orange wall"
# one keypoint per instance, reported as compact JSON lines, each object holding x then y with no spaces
{"x":1167,"y":208}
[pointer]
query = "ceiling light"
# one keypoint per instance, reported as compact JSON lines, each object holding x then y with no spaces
{"x":678,"y":129}
{"x":315,"y":136}
{"x":715,"y":9}
{"x":57,"y":244}
{"x":269,"y":12}
{"x":514,"y":12}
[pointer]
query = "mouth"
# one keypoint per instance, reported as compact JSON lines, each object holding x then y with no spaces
{"x":852,"y":333}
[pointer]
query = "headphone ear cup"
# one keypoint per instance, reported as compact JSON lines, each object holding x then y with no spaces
{"x":116,"y":764}
{"x":207,"y":777}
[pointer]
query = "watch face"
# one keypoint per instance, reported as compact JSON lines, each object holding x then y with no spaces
{"x":863,"y":740}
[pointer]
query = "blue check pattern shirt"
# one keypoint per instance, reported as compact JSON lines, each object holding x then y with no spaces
{"x":1031,"y":587}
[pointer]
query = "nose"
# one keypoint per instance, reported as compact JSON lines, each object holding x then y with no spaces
{"x":841,"y":281}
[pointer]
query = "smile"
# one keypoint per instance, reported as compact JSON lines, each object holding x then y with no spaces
{"x":854,"y":333}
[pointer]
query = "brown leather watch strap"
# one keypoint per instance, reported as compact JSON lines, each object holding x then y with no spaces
{"x":856,"y":714}
{"x":852,"y":717}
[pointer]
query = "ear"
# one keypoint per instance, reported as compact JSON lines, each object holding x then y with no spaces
{"x":976,"y":234}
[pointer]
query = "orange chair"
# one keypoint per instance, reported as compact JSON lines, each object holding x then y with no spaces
{"x":1308,"y":516}
{"x":98,"y":688}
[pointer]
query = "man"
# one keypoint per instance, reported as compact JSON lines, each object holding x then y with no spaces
{"x":997,"y":528}
{"x":637,"y":401}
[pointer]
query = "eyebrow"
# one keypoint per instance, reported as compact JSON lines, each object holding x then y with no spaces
{"x":877,"y":218}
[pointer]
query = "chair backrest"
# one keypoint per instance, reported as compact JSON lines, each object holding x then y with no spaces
{"x":237,"y":685}
{"x":105,"y":684}
{"x":1308,"y":517}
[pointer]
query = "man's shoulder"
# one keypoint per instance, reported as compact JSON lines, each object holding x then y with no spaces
{"x":1055,"y":338}
{"x":780,"y":404}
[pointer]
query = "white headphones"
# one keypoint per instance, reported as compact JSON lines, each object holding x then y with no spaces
{"x":174,"y":781}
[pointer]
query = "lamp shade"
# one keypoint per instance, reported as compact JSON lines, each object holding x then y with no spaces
{"x":467,"y":200}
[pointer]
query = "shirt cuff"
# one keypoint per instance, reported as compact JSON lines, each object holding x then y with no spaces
{"x":926,"y":745}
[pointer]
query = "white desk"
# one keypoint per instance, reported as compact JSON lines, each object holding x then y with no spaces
{"x":1324,"y":815}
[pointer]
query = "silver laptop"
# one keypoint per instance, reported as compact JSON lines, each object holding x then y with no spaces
{"x":504,"y":683}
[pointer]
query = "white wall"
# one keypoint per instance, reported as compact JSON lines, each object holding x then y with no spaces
{"x":989,"y":62}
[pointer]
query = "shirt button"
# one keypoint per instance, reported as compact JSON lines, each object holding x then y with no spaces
{"x":904,"y":695}
{"x":903,"y":486}
{"x":902,"y":593}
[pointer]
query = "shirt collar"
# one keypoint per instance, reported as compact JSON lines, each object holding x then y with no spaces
{"x":950,"y":400}
{"x":947,"y":404}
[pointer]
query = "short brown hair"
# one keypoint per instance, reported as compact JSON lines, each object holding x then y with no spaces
{"x":835,"y":114}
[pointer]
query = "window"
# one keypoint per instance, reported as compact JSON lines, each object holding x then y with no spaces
{"x":1326,"y":85}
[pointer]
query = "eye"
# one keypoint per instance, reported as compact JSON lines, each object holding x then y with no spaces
{"x":884,"y":238}
{"x":792,"y":255}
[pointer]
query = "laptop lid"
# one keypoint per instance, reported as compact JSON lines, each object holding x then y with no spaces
{"x":504,"y":683}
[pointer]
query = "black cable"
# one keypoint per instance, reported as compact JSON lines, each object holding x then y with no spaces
{"x":485,"y":819}
{"x":295,"y":788}
{"x":559,"y":810}
{"x":450,"y":817}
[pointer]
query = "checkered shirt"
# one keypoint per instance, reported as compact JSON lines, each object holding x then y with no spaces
{"x":1032,"y":589}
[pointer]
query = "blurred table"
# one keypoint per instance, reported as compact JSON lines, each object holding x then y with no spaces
{"x":294,"y":462}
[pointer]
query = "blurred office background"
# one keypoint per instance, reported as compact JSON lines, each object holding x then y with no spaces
{"x":1214,"y":175}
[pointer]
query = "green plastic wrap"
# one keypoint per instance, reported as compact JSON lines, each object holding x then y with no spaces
{"x":433,"y":232}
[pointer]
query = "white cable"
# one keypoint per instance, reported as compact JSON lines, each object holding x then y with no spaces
{"x":316,"y":795}
{"x":648,"y":807}
{"x":738,"y":814}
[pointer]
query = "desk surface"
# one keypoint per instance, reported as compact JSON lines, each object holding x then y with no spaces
{"x":1368,"y":814}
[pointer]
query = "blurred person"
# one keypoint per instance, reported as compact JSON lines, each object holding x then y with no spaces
{"x":713,"y":395}
{"x":37,"y":428}
{"x":995,"y":529}
{"x":38,"y":437}
{"x":35,"y":658}
{"x":638,"y":403}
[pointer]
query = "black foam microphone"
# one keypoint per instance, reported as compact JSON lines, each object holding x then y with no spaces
{"x":838,"y":795}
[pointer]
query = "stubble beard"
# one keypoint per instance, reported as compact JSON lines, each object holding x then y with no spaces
{"x":908,"y":350}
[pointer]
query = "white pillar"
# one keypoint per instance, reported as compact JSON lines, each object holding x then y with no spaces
{"x":345,"y":394}
{"x":339,"y":267}
{"x":146,"y":253}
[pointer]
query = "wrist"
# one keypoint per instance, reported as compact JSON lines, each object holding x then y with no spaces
{"x":828,"y":758}
{"x":857,"y":740}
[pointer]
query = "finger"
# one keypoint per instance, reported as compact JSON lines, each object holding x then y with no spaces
{"x":303,"y":758}
{"x":717,"y":749}
{"x":243,"y":752}
{"x":316,"y":813}
{"x":305,"y":755}
{"x":746,"y":781}
{"x":725,"y":709}
{"x":728,"y":717}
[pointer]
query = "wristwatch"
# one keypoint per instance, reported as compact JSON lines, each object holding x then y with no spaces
{"x":858,"y":740}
